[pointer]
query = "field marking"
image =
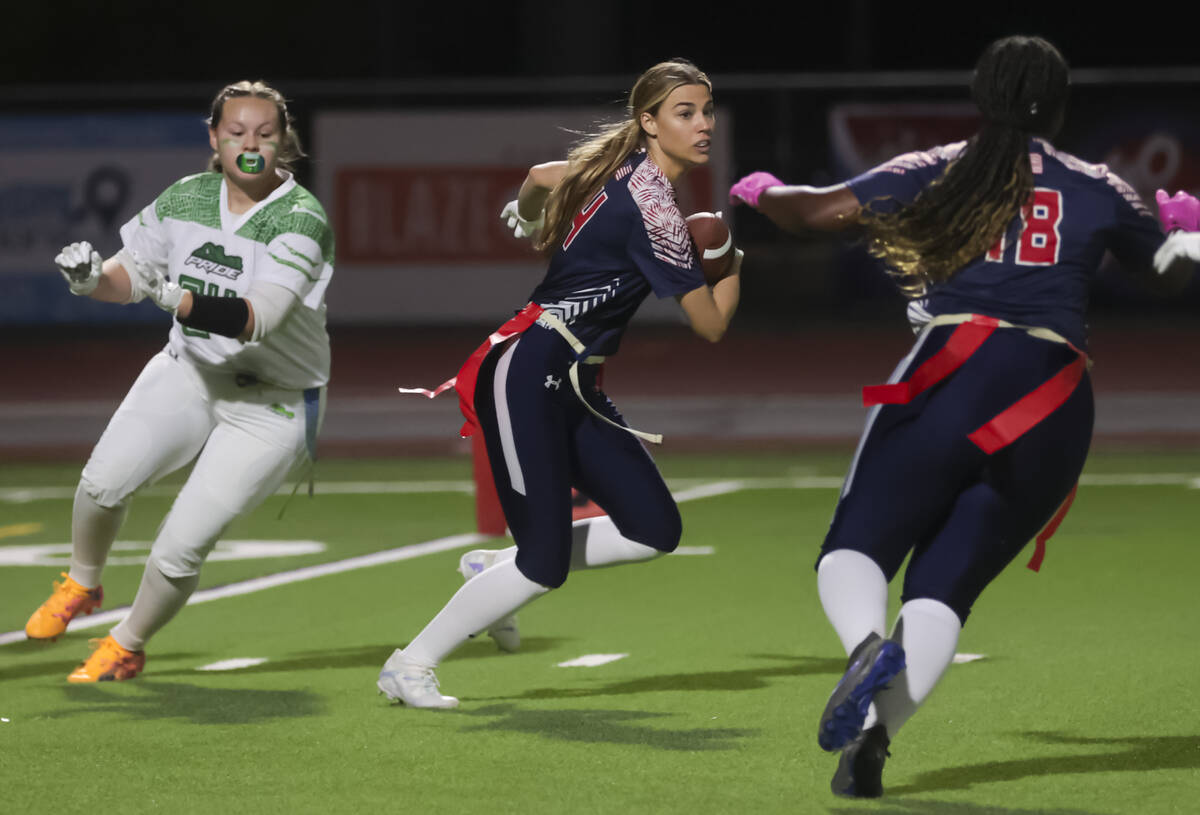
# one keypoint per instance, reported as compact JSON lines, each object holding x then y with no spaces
{"x":591,"y":660}
{"x":959,"y":659}
{"x":233,"y":664}
{"x":59,"y":554}
{"x":23,"y":495}
{"x":694,"y":550}
{"x":16,"y":530}
{"x":700,"y":490}
{"x":283,"y":578}
{"x":688,"y":488}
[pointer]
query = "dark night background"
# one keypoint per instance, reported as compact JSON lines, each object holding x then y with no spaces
{"x":84,"y":42}
{"x":778,"y":69}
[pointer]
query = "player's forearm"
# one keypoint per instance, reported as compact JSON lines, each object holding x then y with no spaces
{"x":710,"y":310}
{"x":727,"y":293}
{"x":802,"y":209}
{"x":114,"y":286}
{"x":537,"y":186}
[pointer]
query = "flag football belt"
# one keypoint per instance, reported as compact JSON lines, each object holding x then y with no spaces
{"x":1013,"y":422}
{"x":548,"y":320}
{"x":464,"y":381}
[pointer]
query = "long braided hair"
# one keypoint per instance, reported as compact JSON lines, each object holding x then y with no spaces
{"x":593,"y":161}
{"x":1020,"y":86}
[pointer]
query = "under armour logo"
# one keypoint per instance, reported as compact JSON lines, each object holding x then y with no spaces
{"x":551,"y":382}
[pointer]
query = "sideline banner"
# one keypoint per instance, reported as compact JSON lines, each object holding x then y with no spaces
{"x":415,"y":200}
{"x":67,"y":178}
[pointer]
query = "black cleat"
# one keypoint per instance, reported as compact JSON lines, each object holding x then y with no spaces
{"x":872,"y":665}
{"x":860,"y":770}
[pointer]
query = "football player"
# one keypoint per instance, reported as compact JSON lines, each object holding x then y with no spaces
{"x":977,"y":442}
{"x":608,"y":217}
{"x":241,"y":256}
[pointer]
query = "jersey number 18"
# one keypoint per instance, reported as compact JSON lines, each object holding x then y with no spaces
{"x":1037,"y":244}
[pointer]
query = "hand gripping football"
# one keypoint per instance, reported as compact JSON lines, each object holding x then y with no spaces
{"x":714,"y":244}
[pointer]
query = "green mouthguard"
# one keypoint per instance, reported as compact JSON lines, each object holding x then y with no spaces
{"x":251,"y":162}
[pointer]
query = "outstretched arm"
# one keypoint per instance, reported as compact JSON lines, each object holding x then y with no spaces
{"x":801,"y":209}
{"x":87,"y":275}
{"x":798,"y":208}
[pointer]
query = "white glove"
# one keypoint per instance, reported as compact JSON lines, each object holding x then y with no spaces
{"x":80,"y":264}
{"x":521,"y":228}
{"x":1178,"y":245}
{"x":145,"y":278}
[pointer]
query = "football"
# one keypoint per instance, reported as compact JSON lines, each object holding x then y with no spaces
{"x":714,"y":244}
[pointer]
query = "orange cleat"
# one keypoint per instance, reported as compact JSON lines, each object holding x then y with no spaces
{"x":109,"y":661}
{"x":68,"y":601}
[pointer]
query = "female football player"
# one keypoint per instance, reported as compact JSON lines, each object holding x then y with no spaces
{"x":978,"y":440}
{"x":608,"y":217}
{"x":241,"y":255}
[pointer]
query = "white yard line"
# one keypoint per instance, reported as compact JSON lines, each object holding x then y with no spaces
{"x":283,"y":578}
{"x":591,"y":660}
{"x":688,"y":488}
{"x":703,"y":490}
{"x":233,"y":664}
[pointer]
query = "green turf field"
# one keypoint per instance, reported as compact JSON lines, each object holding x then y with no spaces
{"x":1084,"y":701}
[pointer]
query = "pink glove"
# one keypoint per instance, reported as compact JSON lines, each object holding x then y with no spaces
{"x":747,"y":190}
{"x":1180,"y":211}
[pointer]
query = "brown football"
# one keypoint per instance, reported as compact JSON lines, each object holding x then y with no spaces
{"x":714,"y":244}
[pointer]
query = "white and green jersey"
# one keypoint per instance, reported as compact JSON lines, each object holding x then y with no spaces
{"x":190,"y":234}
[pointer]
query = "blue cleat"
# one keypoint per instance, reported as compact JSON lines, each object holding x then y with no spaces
{"x":873,"y":664}
{"x":860,"y":770}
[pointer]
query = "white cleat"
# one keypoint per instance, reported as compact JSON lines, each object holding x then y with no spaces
{"x":504,"y":631}
{"x":414,"y":685}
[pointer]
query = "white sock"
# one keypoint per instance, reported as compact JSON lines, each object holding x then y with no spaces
{"x":853,"y":593}
{"x":158,"y":599}
{"x":93,"y":529}
{"x":595,"y":543}
{"x":485,"y":598}
{"x":928,"y":631}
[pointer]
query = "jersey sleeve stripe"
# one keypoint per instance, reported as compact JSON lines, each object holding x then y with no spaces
{"x":314,"y":264}
{"x":291,"y":265}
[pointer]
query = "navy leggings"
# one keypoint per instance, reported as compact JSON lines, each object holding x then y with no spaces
{"x":919,"y":485}
{"x":542,"y":441}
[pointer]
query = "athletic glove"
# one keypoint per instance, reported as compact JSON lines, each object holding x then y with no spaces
{"x":749,"y":188}
{"x":80,"y":264}
{"x":144,"y":277}
{"x":521,"y":228}
{"x":1180,"y":211}
{"x":1178,"y":245}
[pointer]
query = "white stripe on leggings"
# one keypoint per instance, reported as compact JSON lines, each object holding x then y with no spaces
{"x":507,"y":443}
{"x":895,"y":377}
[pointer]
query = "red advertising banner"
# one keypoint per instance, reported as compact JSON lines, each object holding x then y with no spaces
{"x":433,"y":215}
{"x":443,"y":214}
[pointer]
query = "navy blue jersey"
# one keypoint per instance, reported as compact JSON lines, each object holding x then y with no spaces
{"x":1038,"y":274}
{"x":630,"y":240}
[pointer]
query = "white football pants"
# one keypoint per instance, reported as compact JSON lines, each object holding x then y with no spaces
{"x":245,"y":440}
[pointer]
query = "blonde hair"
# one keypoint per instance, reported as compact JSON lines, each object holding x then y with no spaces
{"x":290,"y":150}
{"x":591,"y":162}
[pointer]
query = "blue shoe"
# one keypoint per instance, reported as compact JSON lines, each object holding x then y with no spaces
{"x":860,"y":770}
{"x":874,"y":663}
